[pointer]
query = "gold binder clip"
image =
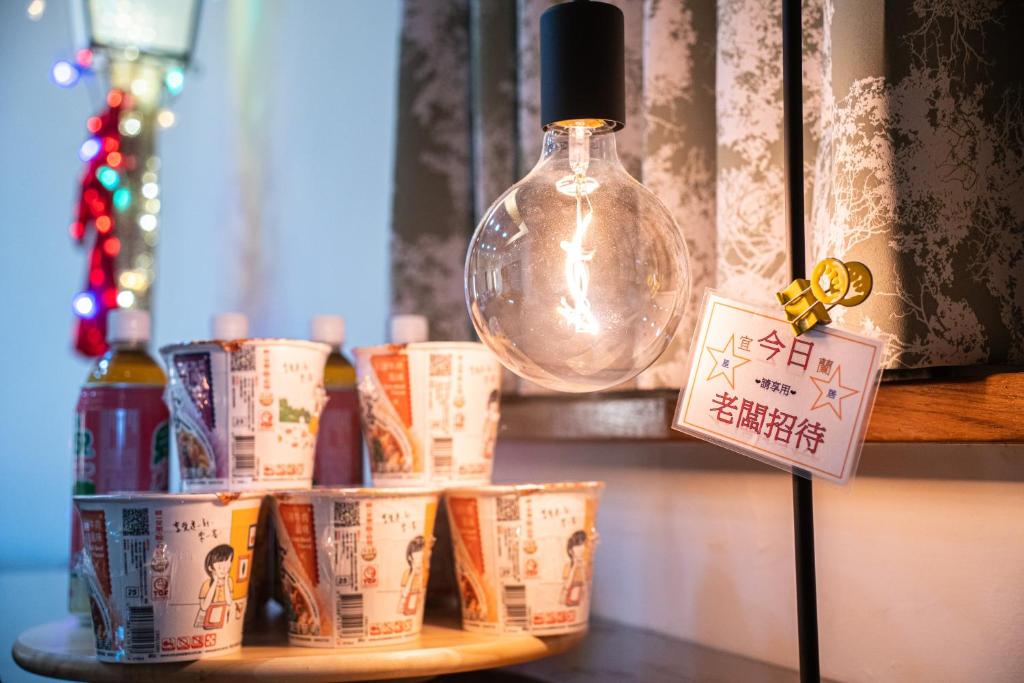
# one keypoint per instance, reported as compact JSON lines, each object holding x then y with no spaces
{"x":833,"y":283}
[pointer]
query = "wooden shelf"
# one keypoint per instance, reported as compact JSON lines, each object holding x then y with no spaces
{"x":64,"y":649}
{"x":614,"y":652}
{"x":972,"y":409}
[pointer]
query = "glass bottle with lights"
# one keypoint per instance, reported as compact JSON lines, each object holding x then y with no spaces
{"x":339,"y":442}
{"x":577,"y":276}
{"x":121,"y":436}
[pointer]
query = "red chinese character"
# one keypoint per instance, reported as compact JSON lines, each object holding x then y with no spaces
{"x":723,"y":402}
{"x":782,"y":424}
{"x":752,"y":416}
{"x":803,"y":355}
{"x":772,"y":343}
{"x":813,"y":435}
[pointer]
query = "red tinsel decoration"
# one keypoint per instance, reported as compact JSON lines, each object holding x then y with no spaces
{"x":96,"y":209}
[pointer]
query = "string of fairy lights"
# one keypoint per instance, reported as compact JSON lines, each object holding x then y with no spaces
{"x":116,"y":218}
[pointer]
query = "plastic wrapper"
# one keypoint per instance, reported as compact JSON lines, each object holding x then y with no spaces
{"x":524,"y":555}
{"x":168,"y":574}
{"x":354,"y":563}
{"x":430,"y":412}
{"x":245,"y":413}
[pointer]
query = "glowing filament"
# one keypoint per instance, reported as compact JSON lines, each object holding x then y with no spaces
{"x":575,"y":308}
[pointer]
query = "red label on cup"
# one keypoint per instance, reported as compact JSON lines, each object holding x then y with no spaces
{"x":393,"y":372}
{"x":94,"y":522}
{"x":297,"y":518}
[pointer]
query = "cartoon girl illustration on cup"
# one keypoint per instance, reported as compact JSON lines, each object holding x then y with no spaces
{"x":412,"y":579}
{"x":215,"y":596}
{"x":574,"y":574}
{"x":491,"y":420}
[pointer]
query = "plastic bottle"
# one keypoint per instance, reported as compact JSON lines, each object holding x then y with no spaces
{"x":409,"y":328}
{"x":121,"y":427}
{"x":227,"y":326}
{"x":339,"y":444}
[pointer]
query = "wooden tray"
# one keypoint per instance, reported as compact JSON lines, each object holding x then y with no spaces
{"x":64,"y":649}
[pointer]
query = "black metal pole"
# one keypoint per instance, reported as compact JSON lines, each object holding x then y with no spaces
{"x":803,"y":502}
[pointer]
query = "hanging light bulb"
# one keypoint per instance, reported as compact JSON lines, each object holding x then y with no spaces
{"x":577,"y":276}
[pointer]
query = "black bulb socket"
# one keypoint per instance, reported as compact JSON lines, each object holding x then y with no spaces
{"x":583,"y":65}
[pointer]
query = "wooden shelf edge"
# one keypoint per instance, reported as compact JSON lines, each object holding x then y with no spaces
{"x":613,"y":648}
{"x":986,"y":409}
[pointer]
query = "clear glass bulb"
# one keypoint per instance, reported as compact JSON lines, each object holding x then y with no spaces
{"x":577,"y":275}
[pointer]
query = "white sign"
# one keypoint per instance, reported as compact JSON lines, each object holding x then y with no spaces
{"x":799,"y":403}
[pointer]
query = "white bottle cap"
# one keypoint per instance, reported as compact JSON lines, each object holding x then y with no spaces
{"x":408,"y":329}
{"x":226,"y":326}
{"x":128,"y":325}
{"x":328,"y":329}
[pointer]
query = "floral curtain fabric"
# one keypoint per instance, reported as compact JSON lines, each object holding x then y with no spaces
{"x":914,"y":155}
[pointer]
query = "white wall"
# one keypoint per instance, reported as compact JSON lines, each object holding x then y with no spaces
{"x":919,"y":562}
{"x":331,"y":88}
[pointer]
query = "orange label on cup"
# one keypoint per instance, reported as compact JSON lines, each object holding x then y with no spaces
{"x":243,"y":540}
{"x":466,"y":519}
{"x":94,"y":537}
{"x":393,"y":373}
{"x":298,"y":520}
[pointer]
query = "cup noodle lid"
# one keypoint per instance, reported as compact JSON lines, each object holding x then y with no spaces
{"x":230,"y":345}
{"x":592,"y":487}
{"x":168,"y":574}
{"x":355,"y":563}
{"x":524,"y":555}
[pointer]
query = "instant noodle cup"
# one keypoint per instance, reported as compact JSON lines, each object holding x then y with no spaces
{"x":245,"y":413}
{"x":354,"y":563}
{"x":168,"y":574}
{"x":430,"y":412}
{"x":524,"y":556}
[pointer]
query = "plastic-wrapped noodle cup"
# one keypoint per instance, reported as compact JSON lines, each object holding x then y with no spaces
{"x":354,"y":563}
{"x":524,"y":555}
{"x":168,"y":574}
{"x":245,"y":413}
{"x":430,"y":412}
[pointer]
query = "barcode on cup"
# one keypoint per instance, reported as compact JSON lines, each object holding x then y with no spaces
{"x":441,"y":450}
{"x":141,"y":630}
{"x":514,"y":599}
{"x":350,"y":614}
{"x":243,"y":452}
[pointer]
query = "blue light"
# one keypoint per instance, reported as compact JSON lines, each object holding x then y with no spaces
{"x":108,"y":177}
{"x":64,"y":73}
{"x":122,"y":200}
{"x":175,"y":81}
{"x":89,"y":149}
{"x":84,"y":305}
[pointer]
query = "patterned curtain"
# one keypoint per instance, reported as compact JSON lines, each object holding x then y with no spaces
{"x":914,"y":155}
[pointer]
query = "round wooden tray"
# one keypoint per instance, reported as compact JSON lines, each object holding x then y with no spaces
{"x":64,"y":649}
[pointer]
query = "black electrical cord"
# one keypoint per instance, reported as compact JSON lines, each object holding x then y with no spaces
{"x":803,"y":502}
